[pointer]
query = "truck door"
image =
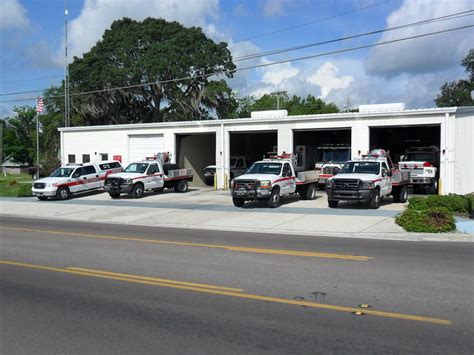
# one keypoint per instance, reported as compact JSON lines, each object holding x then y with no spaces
{"x":78,"y":182}
{"x":92,"y":177}
{"x":155,"y":178}
{"x":386,"y":180}
{"x":288,"y":181}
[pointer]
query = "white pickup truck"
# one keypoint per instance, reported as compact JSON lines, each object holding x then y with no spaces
{"x":422,"y":163}
{"x":368,"y":180}
{"x":238,"y":165}
{"x":74,"y":178}
{"x":144,"y":175}
{"x":271,"y":179}
{"x":331,"y":158}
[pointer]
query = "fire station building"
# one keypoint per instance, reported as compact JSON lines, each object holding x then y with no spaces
{"x":197,"y":144}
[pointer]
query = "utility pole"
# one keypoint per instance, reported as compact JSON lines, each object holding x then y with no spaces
{"x":66,"y":72}
{"x":277,"y":94}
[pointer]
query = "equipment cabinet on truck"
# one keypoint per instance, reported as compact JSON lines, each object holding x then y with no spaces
{"x":154,"y":173}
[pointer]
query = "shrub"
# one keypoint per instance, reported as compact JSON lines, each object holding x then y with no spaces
{"x":12,"y":182}
{"x":431,"y":220}
{"x":453,"y":203}
{"x":24,"y":190}
{"x":470,"y":198}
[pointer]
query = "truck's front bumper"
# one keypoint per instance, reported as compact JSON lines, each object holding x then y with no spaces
{"x":350,"y":195}
{"x":44,"y":192}
{"x":251,"y":194}
{"x":121,"y":189}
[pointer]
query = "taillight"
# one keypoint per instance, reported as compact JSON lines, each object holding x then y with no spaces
{"x":427,"y":164}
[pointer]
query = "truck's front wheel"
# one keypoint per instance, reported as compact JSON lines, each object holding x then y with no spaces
{"x":332,"y":203}
{"x":238,"y":202}
{"x":275,"y":199}
{"x":375,"y":200}
{"x":138,"y":191}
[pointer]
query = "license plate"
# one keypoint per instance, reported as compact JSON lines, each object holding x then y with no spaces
{"x":240,"y":192}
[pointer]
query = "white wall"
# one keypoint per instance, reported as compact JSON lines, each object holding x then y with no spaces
{"x":463,"y":155}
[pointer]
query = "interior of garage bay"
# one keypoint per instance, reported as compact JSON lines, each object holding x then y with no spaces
{"x":253,"y":145}
{"x":196,"y":151}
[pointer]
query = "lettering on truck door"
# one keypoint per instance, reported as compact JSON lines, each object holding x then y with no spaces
{"x":77,"y":181}
{"x":287,"y":179}
{"x":155,"y":178}
{"x":386,"y":186}
{"x":92,"y":177}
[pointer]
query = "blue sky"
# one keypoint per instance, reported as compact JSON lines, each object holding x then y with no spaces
{"x":32,"y":37}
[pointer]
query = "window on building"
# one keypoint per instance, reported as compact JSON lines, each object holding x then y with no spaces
{"x":104,"y":156}
{"x":86,"y":158}
{"x":71,"y":158}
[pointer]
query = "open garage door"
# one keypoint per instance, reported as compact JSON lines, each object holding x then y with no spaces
{"x":397,"y":140}
{"x":196,"y":151}
{"x":144,"y":145}
{"x":323,"y":147}
{"x":252,"y":145}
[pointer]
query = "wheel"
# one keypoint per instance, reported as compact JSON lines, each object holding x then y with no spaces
{"x":332,"y":203}
{"x":138,"y":191}
{"x":375,"y":201}
{"x":181,"y":187}
{"x":274,"y":200}
{"x":238,"y":202}
{"x":42,"y":198}
{"x":400,"y":194}
{"x":63,"y":193}
{"x":310,"y":192}
{"x":114,"y":194}
{"x":433,"y":188}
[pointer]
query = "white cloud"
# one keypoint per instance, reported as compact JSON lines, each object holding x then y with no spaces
{"x":272,"y":8}
{"x":12,"y":15}
{"x":97,"y":15}
{"x":423,"y":55}
{"x":276,"y":74}
{"x":326,"y":77}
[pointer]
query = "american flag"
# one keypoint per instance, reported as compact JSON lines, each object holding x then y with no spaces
{"x":39,"y":104}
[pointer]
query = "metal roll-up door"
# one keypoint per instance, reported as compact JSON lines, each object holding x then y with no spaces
{"x":144,"y":145}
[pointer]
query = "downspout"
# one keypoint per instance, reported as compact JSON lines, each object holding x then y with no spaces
{"x":224,"y":184}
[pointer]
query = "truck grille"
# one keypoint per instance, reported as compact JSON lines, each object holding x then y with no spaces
{"x":246,"y":185}
{"x":39,"y":185}
{"x":113,"y":181}
{"x":346,"y":184}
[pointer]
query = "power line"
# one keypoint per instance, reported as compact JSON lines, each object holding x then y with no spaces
{"x":259,"y":65}
{"x":33,"y":79}
{"x":428,"y":21}
{"x":314,"y":21}
{"x":279,"y":51}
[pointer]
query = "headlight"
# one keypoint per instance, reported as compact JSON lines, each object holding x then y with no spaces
{"x":329,"y":183}
{"x":366,"y":185}
{"x":128,"y":181}
{"x":265,"y":184}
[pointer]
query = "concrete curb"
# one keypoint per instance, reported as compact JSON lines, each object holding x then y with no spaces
{"x":408,"y":237}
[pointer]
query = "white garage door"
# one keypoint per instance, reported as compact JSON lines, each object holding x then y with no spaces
{"x":146,"y":145}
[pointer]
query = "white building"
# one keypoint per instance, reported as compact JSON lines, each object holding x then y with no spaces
{"x":197,"y":144}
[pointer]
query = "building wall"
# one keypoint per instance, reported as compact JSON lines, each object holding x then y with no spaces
{"x":456,"y":170}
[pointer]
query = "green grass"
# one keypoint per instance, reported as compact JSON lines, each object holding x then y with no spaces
{"x":15,"y":185}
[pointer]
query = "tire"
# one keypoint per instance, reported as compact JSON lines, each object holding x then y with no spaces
{"x":433,"y":188}
{"x":332,"y":203}
{"x":401,"y":195}
{"x":114,"y":194}
{"x":138,"y":191}
{"x":63,"y":193}
{"x":375,"y":200}
{"x":310,"y":192}
{"x":238,"y":202}
{"x":42,"y":198}
{"x":275,"y":199}
{"x":181,"y":187}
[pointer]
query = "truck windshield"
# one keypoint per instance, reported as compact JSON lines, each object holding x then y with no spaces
{"x":136,"y":168}
{"x":360,"y":167}
{"x":62,"y":172}
{"x":336,"y":156}
{"x":265,"y":168}
{"x":419,"y":156}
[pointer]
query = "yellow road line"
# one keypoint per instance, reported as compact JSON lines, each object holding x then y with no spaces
{"x":146,"y":278}
{"x":237,"y":294}
{"x":190,"y":244}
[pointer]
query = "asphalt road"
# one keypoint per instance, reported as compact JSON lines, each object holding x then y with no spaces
{"x":73,"y":287}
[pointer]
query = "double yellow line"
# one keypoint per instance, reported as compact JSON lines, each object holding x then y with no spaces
{"x":190,"y":244}
{"x":218,"y":290}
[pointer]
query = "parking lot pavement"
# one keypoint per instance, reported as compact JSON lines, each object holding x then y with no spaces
{"x":204,"y":208}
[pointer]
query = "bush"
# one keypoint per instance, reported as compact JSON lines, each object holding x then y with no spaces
{"x":470,"y":198}
{"x":431,"y":220}
{"x":453,"y":203}
{"x":24,"y":190}
{"x":12,"y":182}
